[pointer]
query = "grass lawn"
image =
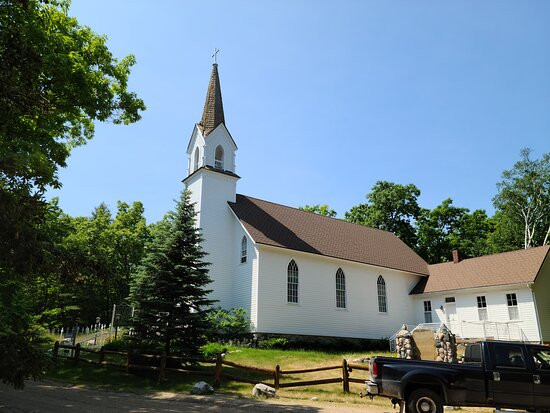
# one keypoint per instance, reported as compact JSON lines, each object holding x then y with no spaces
{"x":114,"y":379}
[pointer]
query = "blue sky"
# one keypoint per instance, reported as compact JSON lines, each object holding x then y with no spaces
{"x":323,"y":98}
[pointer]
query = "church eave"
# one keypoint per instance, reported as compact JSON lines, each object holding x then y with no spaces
{"x":212,"y":169}
{"x":424,"y":276}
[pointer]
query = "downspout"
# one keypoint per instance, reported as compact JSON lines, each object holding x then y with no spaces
{"x":530,"y":286}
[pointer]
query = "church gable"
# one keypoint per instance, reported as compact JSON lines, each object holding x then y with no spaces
{"x":219,"y":150}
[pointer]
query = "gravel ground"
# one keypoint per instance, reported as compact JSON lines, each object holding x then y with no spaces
{"x":50,"y":397}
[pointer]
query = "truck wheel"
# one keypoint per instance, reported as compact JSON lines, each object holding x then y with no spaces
{"x":424,"y":401}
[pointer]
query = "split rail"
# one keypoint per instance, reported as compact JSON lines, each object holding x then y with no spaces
{"x":203,"y":367}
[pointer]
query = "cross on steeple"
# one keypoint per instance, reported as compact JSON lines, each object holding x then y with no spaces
{"x":214,"y":56}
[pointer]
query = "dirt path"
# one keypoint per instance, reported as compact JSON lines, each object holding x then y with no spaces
{"x":50,"y":397}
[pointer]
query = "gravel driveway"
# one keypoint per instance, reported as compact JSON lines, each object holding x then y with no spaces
{"x":50,"y":397}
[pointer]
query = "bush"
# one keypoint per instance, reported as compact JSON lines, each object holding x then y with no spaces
{"x":326,"y":344}
{"x":211,"y":350}
{"x":117,"y":345}
{"x":229,"y":324}
{"x":279,"y":343}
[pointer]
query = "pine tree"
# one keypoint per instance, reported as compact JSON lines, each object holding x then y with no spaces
{"x":169,"y":287}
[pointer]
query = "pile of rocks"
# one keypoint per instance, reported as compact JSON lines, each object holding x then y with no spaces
{"x":445,"y":345}
{"x":405,"y":346}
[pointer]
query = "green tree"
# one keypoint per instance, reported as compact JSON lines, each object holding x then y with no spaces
{"x":319,"y":209}
{"x":524,"y":198}
{"x":507,"y":234}
{"x":169,"y":290}
{"x":92,"y":262}
{"x":447,"y":227}
{"x":471,"y":234}
{"x":434,"y":229}
{"x":391,"y":207}
{"x":50,"y":293}
{"x":56,"y":79}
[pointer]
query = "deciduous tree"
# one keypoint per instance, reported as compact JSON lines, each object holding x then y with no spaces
{"x":56,"y":79}
{"x":447,"y":227}
{"x":524,"y":198}
{"x":319,"y":209}
{"x":391,"y":207}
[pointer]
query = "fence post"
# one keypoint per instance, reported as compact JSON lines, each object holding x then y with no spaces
{"x":55,"y":349}
{"x":218,"y":371}
{"x":101,"y":355}
{"x":76,"y":353}
{"x":277,"y":376}
{"x":162,"y":367}
{"x":345,"y":376}
{"x":128,"y":362}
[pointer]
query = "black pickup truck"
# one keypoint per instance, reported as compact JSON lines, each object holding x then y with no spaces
{"x":493,"y":374}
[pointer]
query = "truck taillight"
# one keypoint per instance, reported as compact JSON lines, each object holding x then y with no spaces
{"x":374,"y":370}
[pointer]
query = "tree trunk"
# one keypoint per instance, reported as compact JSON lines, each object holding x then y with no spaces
{"x":167,"y":346}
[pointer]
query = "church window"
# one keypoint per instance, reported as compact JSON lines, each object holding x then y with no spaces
{"x":340,"y":289}
{"x":218,"y":162}
{"x":243,"y":250}
{"x":382,"y":299}
{"x":196,"y":163}
{"x":292,"y":282}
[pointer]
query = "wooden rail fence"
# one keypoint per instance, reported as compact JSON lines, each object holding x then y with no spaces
{"x":217,"y":372}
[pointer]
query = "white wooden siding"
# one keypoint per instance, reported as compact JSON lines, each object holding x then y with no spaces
{"x":210,"y":191}
{"x":316,"y":312}
{"x":243,"y":283}
{"x":467,"y":317}
{"x":220,"y":136}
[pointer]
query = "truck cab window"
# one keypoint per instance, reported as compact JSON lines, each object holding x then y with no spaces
{"x":473,"y":353}
{"x":541,"y":357}
{"x":509,"y":356}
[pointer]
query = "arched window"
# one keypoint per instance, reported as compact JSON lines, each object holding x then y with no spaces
{"x":382,"y":300}
{"x":340,"y":289}
{"x":292,"y":282}
{"x":218,"y":162}
{"x":196,"y":163}
{"x":243,"y":250}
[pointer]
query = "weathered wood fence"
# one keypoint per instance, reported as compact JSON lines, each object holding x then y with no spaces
{"x":217,"y":372}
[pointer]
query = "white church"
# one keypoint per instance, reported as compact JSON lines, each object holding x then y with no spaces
{"x":299,"y":273}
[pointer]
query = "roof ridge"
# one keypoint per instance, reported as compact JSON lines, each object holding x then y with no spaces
{"x":322,"y":216}
{"x":491,"y":255}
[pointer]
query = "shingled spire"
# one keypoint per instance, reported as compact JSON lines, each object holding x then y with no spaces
{"x":212,"y":114}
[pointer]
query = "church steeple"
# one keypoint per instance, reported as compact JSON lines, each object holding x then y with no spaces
{"x":211,"y":145}
{"x":212,"y":115}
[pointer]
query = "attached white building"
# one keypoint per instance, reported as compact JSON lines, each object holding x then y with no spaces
{"x":297,"y":272}
{"x":500,"y":296}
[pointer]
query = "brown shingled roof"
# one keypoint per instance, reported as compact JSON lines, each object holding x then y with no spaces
{"x":212,"y":115}
{"x":281,"y":226}
{"x":514,"y":267}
